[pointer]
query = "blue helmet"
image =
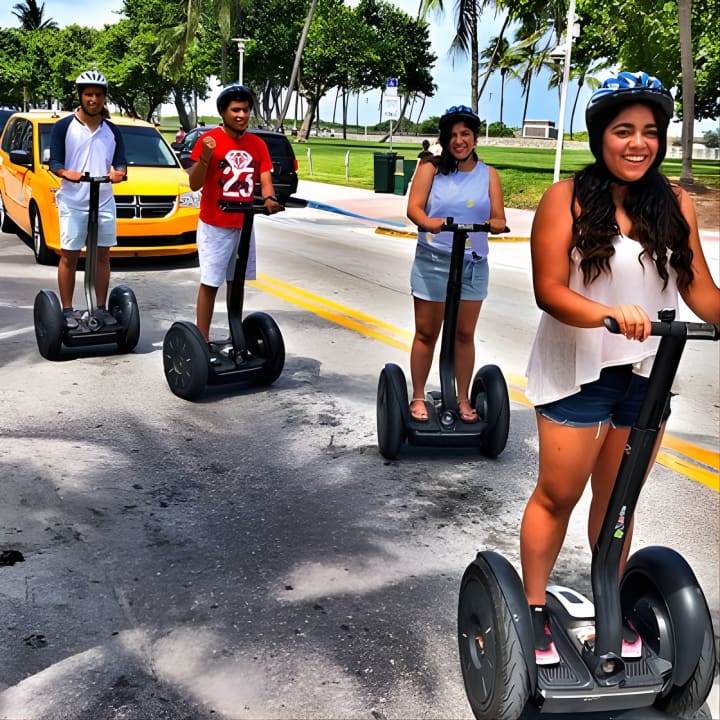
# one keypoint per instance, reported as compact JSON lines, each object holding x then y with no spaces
{"x":625,"y":89}
{"x":233,"y":92}
{"x":458,"y":113}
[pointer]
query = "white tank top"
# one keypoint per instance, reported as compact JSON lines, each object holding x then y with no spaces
{"x":564,"y":357}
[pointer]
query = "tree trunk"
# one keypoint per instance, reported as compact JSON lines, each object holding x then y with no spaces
{"x":688,"y":90}
{"x":491,"y":62}
{"x":581,"y":81}
{"x":474,"y":59}
{"x":296,"y":65}
{"x":304,"y":130}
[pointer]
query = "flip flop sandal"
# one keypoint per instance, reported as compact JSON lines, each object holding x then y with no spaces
{"x":467,"y":417}
{"x":419,"y":418}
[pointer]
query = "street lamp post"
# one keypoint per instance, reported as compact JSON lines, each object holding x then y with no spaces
{"x":569,"y":31}
{"x":241,"y":53}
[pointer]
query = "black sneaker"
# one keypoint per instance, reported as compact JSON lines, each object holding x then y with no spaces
{"x":71,"y":320}
{"x":545,"y":651}
{"x":105,"y":317}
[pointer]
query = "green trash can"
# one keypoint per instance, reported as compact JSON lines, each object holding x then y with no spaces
{"x":384,"y":172}
{"x":403,"y":175}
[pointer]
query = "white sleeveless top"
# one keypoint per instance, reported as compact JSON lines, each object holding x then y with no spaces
{"x":564,"y":357}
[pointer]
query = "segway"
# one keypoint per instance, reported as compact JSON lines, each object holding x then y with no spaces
{"x":50,"y":331}
{"x":658,"y":594}
{"x":254,"y":352}
{"x":444,"y":426}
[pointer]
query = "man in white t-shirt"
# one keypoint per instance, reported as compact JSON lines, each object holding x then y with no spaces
{"x":86,"y":142}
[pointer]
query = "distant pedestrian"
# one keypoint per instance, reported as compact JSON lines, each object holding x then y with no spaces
{"x":179,"y":135}
{"x":425,"y":153}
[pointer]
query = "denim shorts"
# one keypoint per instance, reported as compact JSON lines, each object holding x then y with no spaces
{"x":615,"y":398}
{"x":430,"y":271}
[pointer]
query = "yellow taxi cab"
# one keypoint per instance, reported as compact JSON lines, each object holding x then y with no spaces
{"x":157,"y":212}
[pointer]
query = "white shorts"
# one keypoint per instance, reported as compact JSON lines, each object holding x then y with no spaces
{"x":74,"y":226}
{"x":217,"y":253}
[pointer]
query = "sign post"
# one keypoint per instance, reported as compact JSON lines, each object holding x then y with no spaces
{"x":391,"y":104}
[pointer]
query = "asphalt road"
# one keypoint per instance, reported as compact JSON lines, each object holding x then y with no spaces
{"x":251,"y":555}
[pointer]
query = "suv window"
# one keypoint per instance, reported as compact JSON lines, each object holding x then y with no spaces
{"x":5,"y":114}
{"x":278,"y":147}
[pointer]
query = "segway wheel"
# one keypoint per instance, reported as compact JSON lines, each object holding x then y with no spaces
{"x":264,"y":340}
{"x":186,"y":360}
{"x":49,"y":324}
{"x":123,"y":305}
{"x":494,"y":669}
{"x":662,"y":598}
{"x":489,"y":396}
{"x":392,"y":411}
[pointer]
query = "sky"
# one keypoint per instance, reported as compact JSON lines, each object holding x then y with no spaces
{"x":452,"y":76}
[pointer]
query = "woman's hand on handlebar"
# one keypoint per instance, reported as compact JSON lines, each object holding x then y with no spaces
{"x":634,"y":322}
{"x":433,"y":225}
{"x":117,"y":176}
{"x":497,"y":225}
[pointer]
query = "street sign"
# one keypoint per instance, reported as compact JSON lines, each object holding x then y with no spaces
{"x":391,"y":88}
{"x":391,"y":107}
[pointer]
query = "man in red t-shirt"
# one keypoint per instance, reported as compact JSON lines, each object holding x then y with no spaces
{"x":227,"y":164}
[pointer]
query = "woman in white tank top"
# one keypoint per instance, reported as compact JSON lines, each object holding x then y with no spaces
{"x":616,"y":240}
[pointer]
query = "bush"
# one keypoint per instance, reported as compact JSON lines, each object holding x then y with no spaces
{"x":499,"y":129}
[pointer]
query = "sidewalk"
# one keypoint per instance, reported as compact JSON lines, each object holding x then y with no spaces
{"x":391,"y":207}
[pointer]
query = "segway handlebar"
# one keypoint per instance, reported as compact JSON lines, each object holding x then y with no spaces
{"x":667,"y":325}
{"x":451,"y":226}
{"x":87,"y":177}
{"x":228,"y":206}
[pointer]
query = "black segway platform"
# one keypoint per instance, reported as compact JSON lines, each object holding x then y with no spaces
{"x":50,"y":331}
{"x":658,"y":593}
{"x":444,"y":427}
{"x":254,"y":352}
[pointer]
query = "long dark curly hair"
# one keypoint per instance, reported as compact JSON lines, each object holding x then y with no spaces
{"x":657,"y":222}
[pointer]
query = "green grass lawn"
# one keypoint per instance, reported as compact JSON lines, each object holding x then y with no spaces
{"x":525,"y":173}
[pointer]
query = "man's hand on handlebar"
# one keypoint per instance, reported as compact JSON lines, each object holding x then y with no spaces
{"x":272,"y":205}
{"x":117,"y":176}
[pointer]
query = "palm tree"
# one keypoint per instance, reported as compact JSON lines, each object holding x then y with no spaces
{"x":296,"y":65}
{"x":31,"y":16}
{"x":688,"y":89}
{"x":501,"y":55}
{"x":176,"y":41}
{"x":466,"y":34}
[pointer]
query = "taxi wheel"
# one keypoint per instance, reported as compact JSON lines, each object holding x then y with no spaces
{"x":43,"y":255}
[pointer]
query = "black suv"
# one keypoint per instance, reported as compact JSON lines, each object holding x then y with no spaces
{"x":284,"y":172}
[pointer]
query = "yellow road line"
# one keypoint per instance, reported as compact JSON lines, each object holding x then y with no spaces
{"x":695,"y":462}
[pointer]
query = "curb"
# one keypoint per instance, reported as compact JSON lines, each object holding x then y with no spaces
{"x":380,"y":230}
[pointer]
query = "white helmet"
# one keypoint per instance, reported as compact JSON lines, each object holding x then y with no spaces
{"x":91,"y":77}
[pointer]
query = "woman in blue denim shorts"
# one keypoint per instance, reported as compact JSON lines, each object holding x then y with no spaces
{"x":455,"y":184}
{"x":619,"y":241}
